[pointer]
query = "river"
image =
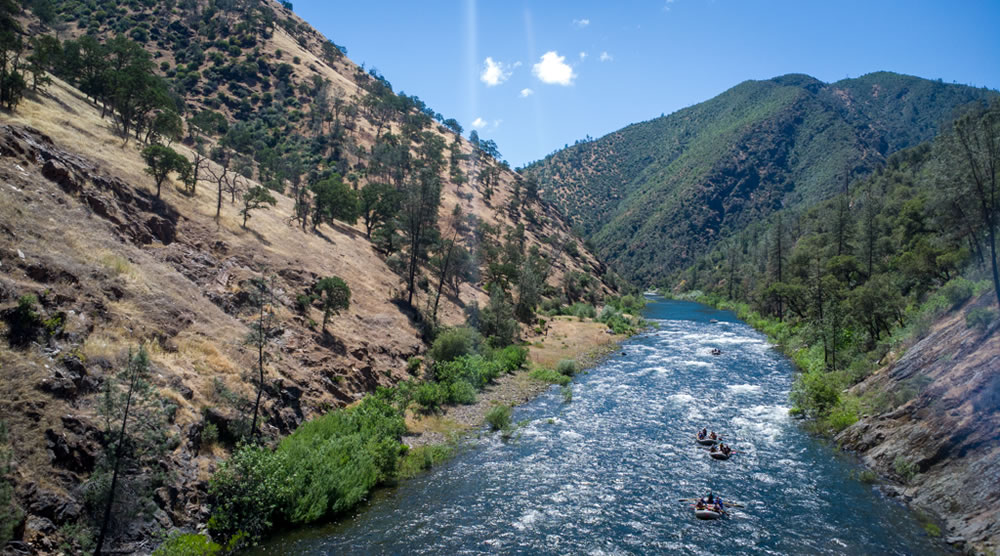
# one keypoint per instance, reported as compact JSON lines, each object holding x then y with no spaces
{"x":603,"y":473}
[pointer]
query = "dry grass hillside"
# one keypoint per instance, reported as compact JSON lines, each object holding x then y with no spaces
{"x":113,"y":268}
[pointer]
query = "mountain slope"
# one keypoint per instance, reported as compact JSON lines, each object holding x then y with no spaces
{"x":113,"y":266}
{"x":654,"y":195}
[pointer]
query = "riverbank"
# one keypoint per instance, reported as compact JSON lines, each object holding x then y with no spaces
{"x":566,"y":337}
{"x":924,"y":419}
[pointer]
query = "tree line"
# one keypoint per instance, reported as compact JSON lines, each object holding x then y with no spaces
{"x":844,"y":282}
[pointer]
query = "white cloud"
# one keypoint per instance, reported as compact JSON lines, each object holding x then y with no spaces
{"x":583,"y":56}
{"x":553,"y":69}
{"x":581,"y":23}
{"x":495,"y":73}
{"x":525,"y":93}
{"x":479,"y":123}
{"x":666,"y":5}
{"x":605,"y":57}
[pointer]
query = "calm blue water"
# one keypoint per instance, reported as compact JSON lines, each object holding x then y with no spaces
{"x":603,"y":473}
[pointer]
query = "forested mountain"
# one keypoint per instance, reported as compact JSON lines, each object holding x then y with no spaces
{"x":214,"y":227}
{"x":655,"y":195}
{"x":887,"y":297}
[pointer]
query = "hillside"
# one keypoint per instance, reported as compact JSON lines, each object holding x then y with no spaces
{"x":941,"y":437}
{"x":655,"y":195}
{"x":110,"y":261}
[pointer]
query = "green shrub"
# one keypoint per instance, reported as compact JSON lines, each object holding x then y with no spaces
{"x":455,"y":342}
{"x":430,"y":396}
{"x":23,"y":322}
{"x":957,"y":291}
{"x":209,"y":434}
{"x":868,"y":477}
{"x":331,"y":463}
{"x":904,"y":468}
{"x":843,"y":415}
{"x":187,"y":544}
{"x":550,"y":376}
{"x":566,"y":367}
{"x":413,"y":365}
{"x":815,"y":392}
{"x":583,"y":310}
{"x":980,"y":317}
{"x":461,"y":392}
{"x":422,"y":458}
{"x":498,"y":417}
{"x":567,"y":394}
{"x":245,"y":492}
{"x":511,"y":358}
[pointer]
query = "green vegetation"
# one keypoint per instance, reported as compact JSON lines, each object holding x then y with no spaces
{"x":842,"y":283}
{"x":550,"y":376}
{"x":422,"y":458}
{"x":566,"y":367}
{"x":452,"y":343}
{"x":23,"y":322}
{"x":328,"y":465}
{"x":654,"y":195}
{"x":498,"y":417}
{"x":188,"y":544}
{"x":161,"y":161}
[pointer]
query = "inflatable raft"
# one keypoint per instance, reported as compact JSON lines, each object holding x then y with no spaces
{"x":720,"y":456}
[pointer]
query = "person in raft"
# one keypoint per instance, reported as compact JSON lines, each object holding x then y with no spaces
{"x":724,"y":449}
{"x":712,"y":435}
{"x":714,"y":448}
{"x":702,"y":434}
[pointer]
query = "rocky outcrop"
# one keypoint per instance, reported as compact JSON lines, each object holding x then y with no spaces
{"x":136,"y":215}
{"x":939,"y":435}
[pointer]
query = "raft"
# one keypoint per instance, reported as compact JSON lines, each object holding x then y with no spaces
{"x":720,"y":456}
{"x":707,"y":513}
{"x":706,"y":441}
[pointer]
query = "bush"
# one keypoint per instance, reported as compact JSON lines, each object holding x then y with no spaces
{"x":461,"y":392}
{"x":904,"y":468}
{"x":422,"y":458}
{"x":566,"y":367}
{"x":957,"y":291}
{"x":843,"y":416}
{"x":583,"y":310}
{"x":498,"y":417}
{"x":550,"y":376}
{"x":23,"y":322}
{"x":245,"y":492}
{"x":331,"y":463}
{"x":209,"y":434}
{"x":187,"y":544}
{"x":455,"y":342}
{"x":430,"y":396}
{"x":413,"y":365}
{"x":980,"y":317}
{"x":815,"y":392}
{"x":567,"y":394}
{"x":511,"y":358}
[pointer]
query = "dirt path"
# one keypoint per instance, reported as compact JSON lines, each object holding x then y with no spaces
{"x":567,"y":338}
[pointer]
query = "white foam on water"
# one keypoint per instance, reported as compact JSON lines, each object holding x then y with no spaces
{"x":691,"y":363}
{"x":661,"y":370}
{"x":743,"y":388}
{"x":527,"y":520}
{"x":681,"y":398}
{"x":571,"y":435}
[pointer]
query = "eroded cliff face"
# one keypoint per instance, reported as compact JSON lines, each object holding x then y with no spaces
{"x":941,"y":437}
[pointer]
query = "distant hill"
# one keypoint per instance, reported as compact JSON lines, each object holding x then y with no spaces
{"x":654,"y":195}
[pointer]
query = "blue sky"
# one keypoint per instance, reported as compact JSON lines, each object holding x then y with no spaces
{"x":559,"y":71}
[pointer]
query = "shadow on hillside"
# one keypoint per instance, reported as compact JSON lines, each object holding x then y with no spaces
{"x":415,"y":317}
{"x":331,"y":342}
